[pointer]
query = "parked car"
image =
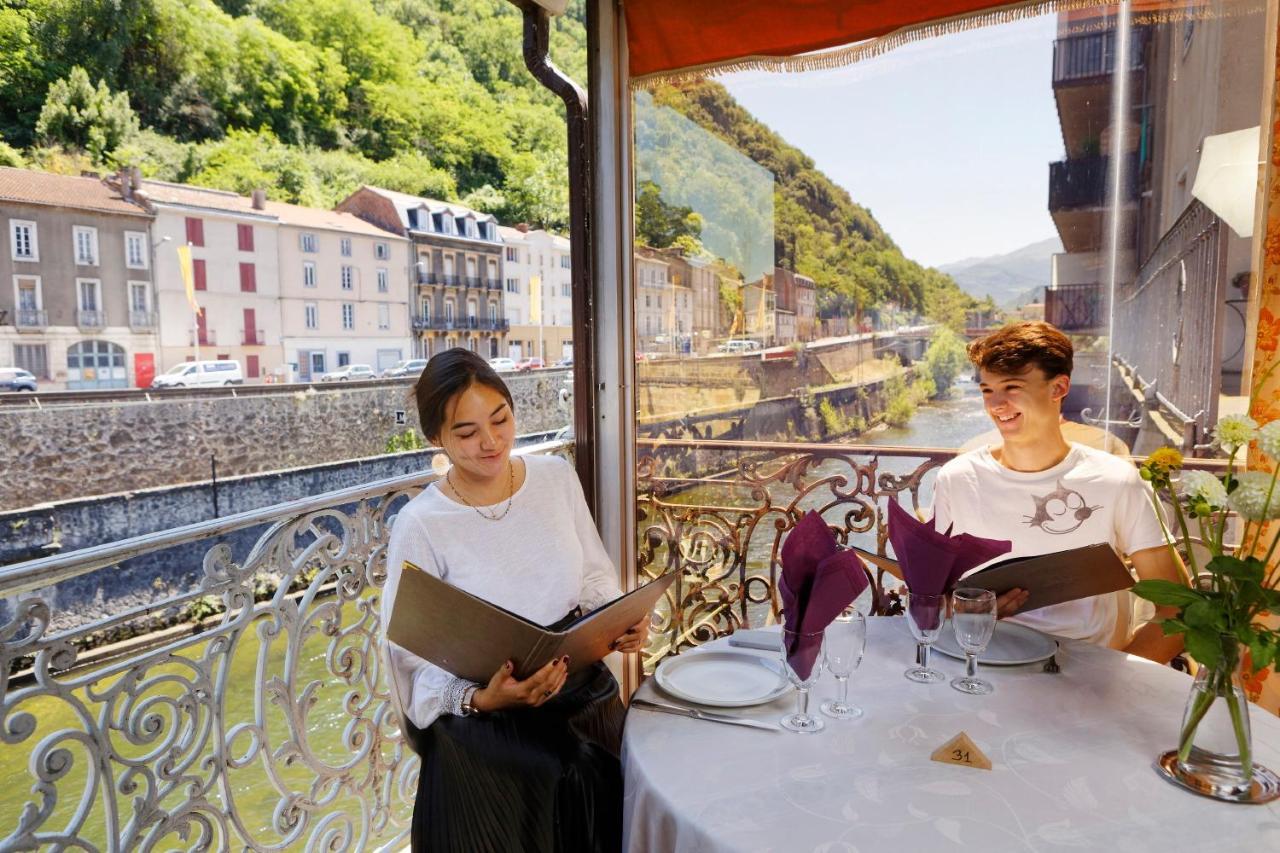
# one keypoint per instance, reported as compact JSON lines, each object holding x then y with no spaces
{"x":532,"y":363}
{"x":351,"y":371}
{"x":411,"y":367}
{"x":740,"y":345}
{"x":502,"y":365}
{"x":567,"y":361}
{"x":191,"y":374}
{"x":16,"y":379}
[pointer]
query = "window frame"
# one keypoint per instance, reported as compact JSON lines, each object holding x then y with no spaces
{"x":33,"y":240}
{"x":17,"y":291}
{"x":382,"y":250}
{"x":309,"y":274}
{"x":97,"y":294}
{"x":347,"y":277}
{"x":308,"y":243}
{"x":384,"y":316}
{"x":311,"y":315}
{"x":384,"y":280}
{"x":348,"y":316}
{"x":141,"y":238}
{"x":344,"y":247}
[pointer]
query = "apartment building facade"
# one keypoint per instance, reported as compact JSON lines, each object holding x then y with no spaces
{"x":235,"y":265}
{"x":77,"y":306}
{"x":806,"y":308}
{"x":537,"y":294}
{"x":345,"y":291}
{"x":455,"y":264}
{"x":664,"y":302}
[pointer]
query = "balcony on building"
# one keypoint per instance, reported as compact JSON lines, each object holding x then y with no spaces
{"x":30,"y":320}
{"x":142,"y":320}
{"x":474,"y":281}
{"x":1077,"y":308}
{"x":429,"y":277}
{"x":450,"y":279}
{"x":1079,"y":195}
{"x":492,"y":284}
{"x":252,"y":337}
{"x":206,"y":338}
{"x":87,"y":319}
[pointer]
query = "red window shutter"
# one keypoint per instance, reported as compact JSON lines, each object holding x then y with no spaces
{"x":244,"y":236}
{"x":195,"y":231}
{"x":201,"y":276}
{"x":250,"y":327}
{"x":251,"y":362}
{"x":248,"y":278}
{"x":202,"y":331}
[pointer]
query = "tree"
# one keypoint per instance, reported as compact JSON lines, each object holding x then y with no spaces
{"x":83,"y":118}
{"x":945,"y":358}
{"x":658,"y":224}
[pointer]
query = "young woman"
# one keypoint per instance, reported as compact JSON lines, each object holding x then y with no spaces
{"x":513,"y":764}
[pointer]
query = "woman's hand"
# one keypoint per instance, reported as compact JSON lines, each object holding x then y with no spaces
{"x":635,"y":638}
{"x":1011,"y":602}
{"x":504,"y":690}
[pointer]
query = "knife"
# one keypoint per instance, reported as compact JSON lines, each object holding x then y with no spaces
{"x":698,"y":714}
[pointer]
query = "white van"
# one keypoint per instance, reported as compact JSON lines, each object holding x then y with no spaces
{"x":191,"y":374}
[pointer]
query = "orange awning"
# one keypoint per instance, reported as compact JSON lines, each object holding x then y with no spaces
{"x":666,"y":35}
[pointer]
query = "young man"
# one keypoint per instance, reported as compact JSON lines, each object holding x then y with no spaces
{"x":1046,"y":494}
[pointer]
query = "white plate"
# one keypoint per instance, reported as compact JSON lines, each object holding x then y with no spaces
{"x":722,"y":679}
{"x":1010,"y":645}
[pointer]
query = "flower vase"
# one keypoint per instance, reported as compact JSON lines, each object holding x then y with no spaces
{"x":1215,"y":746}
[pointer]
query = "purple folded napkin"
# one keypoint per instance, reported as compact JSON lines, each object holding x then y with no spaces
{"x":933,"y":561}
{"x":818,"y":581}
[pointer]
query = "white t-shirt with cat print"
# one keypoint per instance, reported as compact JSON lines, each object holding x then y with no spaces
{"x":1087,"y":498}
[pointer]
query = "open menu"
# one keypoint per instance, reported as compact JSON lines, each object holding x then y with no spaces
{"x":470,"y":637}
{"x":1049,"y":578}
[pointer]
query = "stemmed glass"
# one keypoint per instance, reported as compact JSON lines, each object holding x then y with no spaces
{"x":801,"y":721}
{"x":846,"y":638}
{"x":924,"y":617}
{"x":973,"y":616}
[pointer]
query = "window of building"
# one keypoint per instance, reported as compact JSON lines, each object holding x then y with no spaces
{"x":200,"y":272}
{"x":89,"y":294}
{"x":33,"y":358}
{"x":195,"y":231}
{"x":312,"y":315}
{"x":564,"y":289}
{"x":426,"y":311}
{"x":564,"y":262}
{"x":345,"y":247}
{"x":448,"y":312}
{"x":384,"y":280}
{"x":23,"y":242}
{"x":248,"y":278}
{"x":513,"y":254}
{"x":139,"y":299}
{"x":348,"y":278}
{"x":348,"y":315}
{"x":308,"y":274}
{"x":384,"y":316}
{"x":244,"y":237}
{"x":86,"y":245}
{"x":459,"y":225}
{"x":344,"y":358}
{"x":309,"y":243}
{"x":493,"y":313}
{"x":135,"y":250}
{"x":382,"y":251}
{"x":513,"y":285}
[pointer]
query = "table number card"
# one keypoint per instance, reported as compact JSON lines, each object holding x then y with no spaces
{"x":963,"y":751}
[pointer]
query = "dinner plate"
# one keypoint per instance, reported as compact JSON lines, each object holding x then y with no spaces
{"x":722,"y":679}
{"x":1010,"y":645}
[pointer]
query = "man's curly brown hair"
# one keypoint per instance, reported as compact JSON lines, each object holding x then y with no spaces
{"x":1013,"y":348}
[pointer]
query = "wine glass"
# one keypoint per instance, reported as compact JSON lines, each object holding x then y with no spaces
{"x":804,"y":651}
{"x":924,"y":617}
{"x":973,"y":616}
{"x":845,"y":640}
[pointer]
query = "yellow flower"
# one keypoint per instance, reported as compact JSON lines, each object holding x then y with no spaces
{"x":1165,"y":459}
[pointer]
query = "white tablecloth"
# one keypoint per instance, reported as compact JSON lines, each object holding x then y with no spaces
{"x":1072,"y":756}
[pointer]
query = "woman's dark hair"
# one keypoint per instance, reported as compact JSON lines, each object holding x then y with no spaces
{"x":446,"y":375}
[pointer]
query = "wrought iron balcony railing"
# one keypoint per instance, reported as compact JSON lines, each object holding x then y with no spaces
{"x":450,"y":279}
{"x":429,"y":277}
{"x":1076,"y":307}
{"x":267,"y":727}
{"x":474,"y":281}
{"x":1085,"y":182}
{"x":28,"y":319}
{"x":91,"y":319}
{"x":142,"y":320}
{"x":492,"y":284}
{"x":253,"y":337}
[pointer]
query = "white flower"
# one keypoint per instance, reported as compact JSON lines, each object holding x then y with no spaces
{"x":1201,"y":486}
{"x":1269,"y":439}
{"x":1250,"y":497}
{"x":1235,"y":431}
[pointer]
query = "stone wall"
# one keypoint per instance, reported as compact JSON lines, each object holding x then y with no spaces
{"x":64,"y":452}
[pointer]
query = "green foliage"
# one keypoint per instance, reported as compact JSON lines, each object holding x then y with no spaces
{"x":10,"y":156}
{"x":659,"y":224}
{"x":202,"y":608}
{"x":80,"y":116}
{"x":404,"y":441}
{"x":945,"y":359}
{"x":835,"y":422}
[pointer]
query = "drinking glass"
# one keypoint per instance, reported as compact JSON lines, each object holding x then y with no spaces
{"x":924,"y":617}
{"x":973,"y":616}
{"x":845,"y":640}
{"x":801,"y":721}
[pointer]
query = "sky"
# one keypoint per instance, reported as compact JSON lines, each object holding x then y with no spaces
{"x":947,"y":142}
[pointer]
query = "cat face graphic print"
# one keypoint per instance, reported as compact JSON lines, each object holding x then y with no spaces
{"x":1061,"y":511}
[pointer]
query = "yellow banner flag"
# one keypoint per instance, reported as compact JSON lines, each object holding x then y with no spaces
{"x":188,"y":276}
{"x":535,"y":301}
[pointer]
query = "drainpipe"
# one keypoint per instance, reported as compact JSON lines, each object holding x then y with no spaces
{"x":537,"y":28}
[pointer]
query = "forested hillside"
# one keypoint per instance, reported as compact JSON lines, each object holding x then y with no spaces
{"x":311,"y":98}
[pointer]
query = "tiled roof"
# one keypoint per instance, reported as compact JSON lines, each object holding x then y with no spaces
{"x":32,"y":187}
{"x":404,"y":201}
{"x":314,"y":217}
{"x":162,"y":192}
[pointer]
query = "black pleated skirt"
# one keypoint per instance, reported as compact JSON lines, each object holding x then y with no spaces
{"x":531,"y":779}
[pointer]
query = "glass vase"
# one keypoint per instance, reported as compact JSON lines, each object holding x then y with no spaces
{"x":1214,"y":742}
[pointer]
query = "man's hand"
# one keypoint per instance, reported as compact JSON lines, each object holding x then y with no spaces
{"x":635,"y":638}
{"x":1011,"y":602}
{"x":504,"y":690}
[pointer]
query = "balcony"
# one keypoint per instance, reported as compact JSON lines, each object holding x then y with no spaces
{"x":1076,"y":307}
{"x":206,"y":338}
{"x":91,"y":319}
{"x":429,"y":277}
{"x":30,"y":320}
{"x":252,"y":338}
{"x":450,"y":280}
{"x":1079,"y":193}
{"x":492,"y":284}
{"x":475,"y":281}
{"x":1093,"y":55}
{"x":142,"y":320}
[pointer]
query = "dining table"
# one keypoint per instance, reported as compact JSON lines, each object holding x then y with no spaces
{"x":1072,"y":758}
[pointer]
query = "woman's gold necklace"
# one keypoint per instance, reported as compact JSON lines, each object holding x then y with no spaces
{"x":511,"y":493}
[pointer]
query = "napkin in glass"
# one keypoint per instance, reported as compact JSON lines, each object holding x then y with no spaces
{"x":818,"y":581}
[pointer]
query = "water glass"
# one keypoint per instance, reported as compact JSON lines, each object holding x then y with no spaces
{"x":845,"y":640}
{"x":924,"y":617}
{"x":973,"y":616}
{"x":803,"y":647}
